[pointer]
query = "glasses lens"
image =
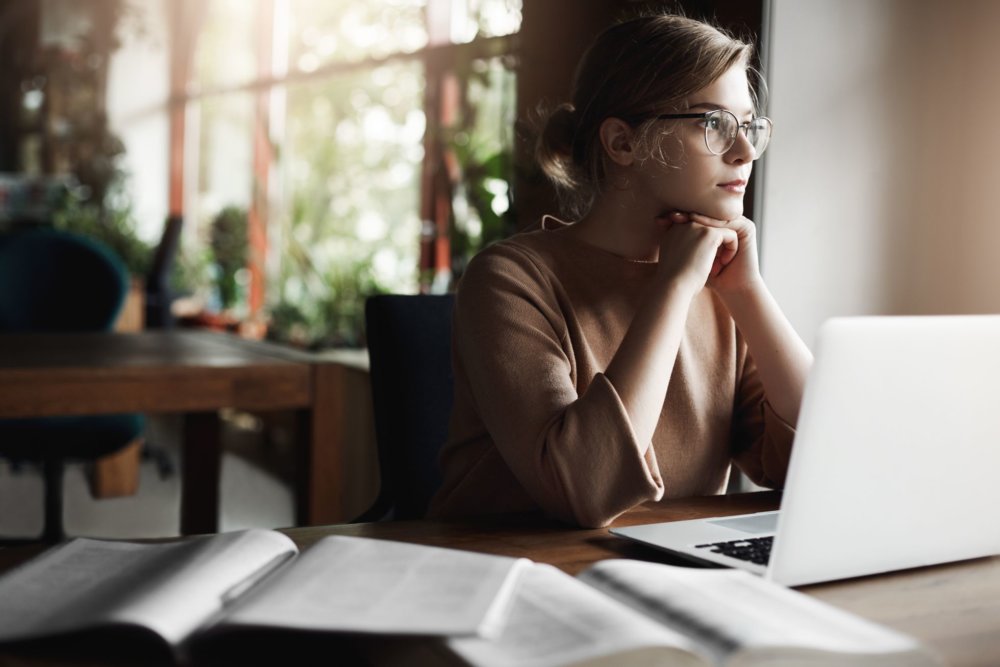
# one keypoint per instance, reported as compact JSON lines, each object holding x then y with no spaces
{"x":721,"y":127}
{"x":759,"y":134}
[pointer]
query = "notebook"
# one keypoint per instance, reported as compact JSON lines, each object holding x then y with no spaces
{"x":895,"y":464}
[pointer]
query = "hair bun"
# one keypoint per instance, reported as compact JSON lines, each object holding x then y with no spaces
{"x":555,"y":143}
{"x":560,"y":130}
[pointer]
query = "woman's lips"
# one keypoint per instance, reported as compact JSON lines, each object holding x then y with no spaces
{"x":735,"y":187}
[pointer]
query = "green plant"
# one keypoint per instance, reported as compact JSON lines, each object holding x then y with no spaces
{"x":192,"y":270}
{"x":228,"y":240}
{"x":486,"y":180}
{"x":326,"y":309}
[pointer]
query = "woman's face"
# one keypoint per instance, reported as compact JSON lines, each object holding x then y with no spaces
{"x":694,"y":179}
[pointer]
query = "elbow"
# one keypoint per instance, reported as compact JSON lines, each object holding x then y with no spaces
{"x":591,"y":483}
{"x":595,"y":509}
{"x":579,"y":500}
{"x":576,"y":511}
{"x":596,"y":519}
{"x":583,"y":517}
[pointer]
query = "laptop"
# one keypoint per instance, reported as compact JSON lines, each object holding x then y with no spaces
{"x":896,"y":460}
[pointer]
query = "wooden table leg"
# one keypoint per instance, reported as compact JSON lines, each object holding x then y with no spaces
{"x":201,"y":465}
{"x":319,"y":496}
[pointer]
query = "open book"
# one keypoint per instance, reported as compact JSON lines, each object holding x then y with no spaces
{"x":246,"y":581}
{"x":623,"y":612}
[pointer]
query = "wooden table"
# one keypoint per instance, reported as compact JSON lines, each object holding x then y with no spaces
{"x":195,"y":373}
{"x":954,"y":609}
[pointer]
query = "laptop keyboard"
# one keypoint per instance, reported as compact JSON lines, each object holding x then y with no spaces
{"x":754,"y":549}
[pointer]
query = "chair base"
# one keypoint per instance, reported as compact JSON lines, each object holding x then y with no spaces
{"x":52,"y":470}
{"x":53,"y":530}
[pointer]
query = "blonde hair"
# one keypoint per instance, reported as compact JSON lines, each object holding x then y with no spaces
{"x":634,"y":71}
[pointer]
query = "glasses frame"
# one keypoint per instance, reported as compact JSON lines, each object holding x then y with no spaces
{"x":739,"y":126}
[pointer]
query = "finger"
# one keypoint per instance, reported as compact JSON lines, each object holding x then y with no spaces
{"x":729,"y":246}
{"x":668,"y":220}
{"x":741,"y":224}
{"x":707,"y":221}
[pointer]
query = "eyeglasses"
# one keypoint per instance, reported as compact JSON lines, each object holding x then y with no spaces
{"x":722,"y":126}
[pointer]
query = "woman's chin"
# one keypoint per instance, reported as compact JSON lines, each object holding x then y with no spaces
{"x":728,"y":208}
{"x":725,"y":210}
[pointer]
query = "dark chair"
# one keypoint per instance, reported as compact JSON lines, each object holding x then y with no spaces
{"x":158,"y":315}
{"x":409,"y":344}
{"x":158,"y":293}
{"x":55,"y":281}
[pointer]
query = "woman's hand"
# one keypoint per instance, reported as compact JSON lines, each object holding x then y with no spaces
{"x":742,"y":271}
{"x":782,"y":359}
{"x":693,"y":253}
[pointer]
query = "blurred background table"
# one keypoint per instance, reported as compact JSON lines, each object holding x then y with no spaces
{"x":195,"y":373}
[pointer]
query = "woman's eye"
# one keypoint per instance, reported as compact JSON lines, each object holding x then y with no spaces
{"x":713,"y":123}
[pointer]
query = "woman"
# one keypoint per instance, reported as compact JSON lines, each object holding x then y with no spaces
{"x":635,"y":353}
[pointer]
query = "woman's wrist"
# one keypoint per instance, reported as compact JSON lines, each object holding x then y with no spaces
{"x":678,"y":288}
{"x":748,"y":292}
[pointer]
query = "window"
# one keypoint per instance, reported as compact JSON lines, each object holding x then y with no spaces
{"x":369,"y":144}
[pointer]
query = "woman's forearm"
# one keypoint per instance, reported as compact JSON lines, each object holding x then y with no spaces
{"x":641,"y":368}
{"x":782,"y":358}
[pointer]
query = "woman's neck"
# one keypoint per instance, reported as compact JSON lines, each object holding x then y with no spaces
{"x":621,"y":225}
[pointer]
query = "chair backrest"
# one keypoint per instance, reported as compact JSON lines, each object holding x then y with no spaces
{"x":52,"y":280}
{"x":158,"y":296}
{"x":409,"y":344}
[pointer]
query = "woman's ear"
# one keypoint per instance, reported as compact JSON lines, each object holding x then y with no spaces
{"x":617,"y":139}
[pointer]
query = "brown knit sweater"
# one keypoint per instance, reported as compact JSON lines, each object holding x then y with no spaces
{"x":536,"y":424}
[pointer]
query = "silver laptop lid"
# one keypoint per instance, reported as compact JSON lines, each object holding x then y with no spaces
{"x":897,"y":452}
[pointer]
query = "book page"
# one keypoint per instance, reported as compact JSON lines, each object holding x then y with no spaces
{"x":557,"y":620}
{"x":368,"y":585}
{"x":209,"y":576}
{"x":170,"y":588}
{"x":730,"y":611}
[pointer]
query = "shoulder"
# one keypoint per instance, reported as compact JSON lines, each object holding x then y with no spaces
{"x":514,"y":280}
{"x":528,"y":257}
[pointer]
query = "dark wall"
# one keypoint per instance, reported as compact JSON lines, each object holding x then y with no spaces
{"x":554,"y":34}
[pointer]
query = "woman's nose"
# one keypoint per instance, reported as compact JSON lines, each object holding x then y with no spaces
{"x":742,"y":150}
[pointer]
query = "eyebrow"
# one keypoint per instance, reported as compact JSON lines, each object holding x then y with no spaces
{"x":713,"y":105}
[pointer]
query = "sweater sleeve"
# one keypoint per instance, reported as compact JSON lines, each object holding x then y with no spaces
{"x":567,"y":440}
{"x":762,"y":441}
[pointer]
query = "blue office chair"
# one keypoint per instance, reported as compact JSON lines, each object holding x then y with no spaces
{"x":409,"y":345}
{"x":55,"y":281}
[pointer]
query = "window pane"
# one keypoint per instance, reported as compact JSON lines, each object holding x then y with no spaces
{"x":225,"y":164}
{"x":226,"y":48}
{"x":351,"y":164}
{"x":325,"y":31}
{"x":484,"y":18}
{"x":220,"y":155}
